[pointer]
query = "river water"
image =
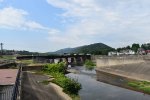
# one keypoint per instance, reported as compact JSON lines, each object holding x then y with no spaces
{"x":95,"y":90}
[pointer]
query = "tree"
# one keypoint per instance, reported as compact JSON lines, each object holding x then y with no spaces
{"x":144,"y":46}
{"x":135,"y":47}
{"x":128,"y":47}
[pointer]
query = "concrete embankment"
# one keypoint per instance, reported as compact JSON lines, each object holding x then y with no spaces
{"x":37,"y":67}
{"x":119,"y":70}
{"x":111,"y":61}
{"x":33,"y":87}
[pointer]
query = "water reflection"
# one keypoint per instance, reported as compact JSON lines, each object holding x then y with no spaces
{"x":95,"y":90}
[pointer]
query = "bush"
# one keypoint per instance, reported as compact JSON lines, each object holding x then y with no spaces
{"x":89,"y":64}
{"x":60,"y":67}
{"x":69,"y":86}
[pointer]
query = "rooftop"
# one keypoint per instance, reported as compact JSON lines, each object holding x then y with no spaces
{"x":8,"y":76}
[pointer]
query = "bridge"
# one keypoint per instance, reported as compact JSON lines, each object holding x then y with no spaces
{"x":69,"y":59}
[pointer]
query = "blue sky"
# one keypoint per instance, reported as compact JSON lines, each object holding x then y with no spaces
{"x":49,"y":25}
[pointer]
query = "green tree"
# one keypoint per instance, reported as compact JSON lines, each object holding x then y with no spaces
{"x":128,"y":47}
{"x":135,"y":47}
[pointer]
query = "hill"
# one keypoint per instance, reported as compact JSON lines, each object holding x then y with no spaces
{"x":96,"y":48}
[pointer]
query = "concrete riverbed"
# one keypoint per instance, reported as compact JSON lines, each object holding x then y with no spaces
{"x":34,"y":89}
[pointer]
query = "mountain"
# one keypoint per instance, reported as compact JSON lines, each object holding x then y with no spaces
{"x":96,"y":48}
{"x":65,"y":50}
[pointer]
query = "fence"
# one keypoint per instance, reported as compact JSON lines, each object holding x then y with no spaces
{"x":11,"y":92}
{"x":17,"y":86}
{"x":6,"y":92}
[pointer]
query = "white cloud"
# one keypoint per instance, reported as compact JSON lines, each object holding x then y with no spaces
{"x":123,"y":21}
{"x":16,"y":19}
{"x":76,"y":7}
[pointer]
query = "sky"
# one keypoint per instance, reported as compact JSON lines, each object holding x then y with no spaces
{"x":49,"y":25}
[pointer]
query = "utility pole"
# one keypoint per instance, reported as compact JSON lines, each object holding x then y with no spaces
{"x":1,"y":48}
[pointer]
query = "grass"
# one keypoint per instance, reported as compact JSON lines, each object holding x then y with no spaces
{"x":7,"y":57}
{"x":89,"y":65}
{"x":140,"y":85}
{"x":70,"y":86}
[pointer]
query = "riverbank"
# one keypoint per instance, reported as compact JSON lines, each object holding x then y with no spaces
{"x":34,"y":89}
{"x":96,"y":90}
{"x":126,"y":75}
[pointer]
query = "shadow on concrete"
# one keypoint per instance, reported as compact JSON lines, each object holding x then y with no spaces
{"x":33,"y":89}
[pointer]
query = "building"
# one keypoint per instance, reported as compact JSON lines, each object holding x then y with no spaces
{"x":122,"y":52}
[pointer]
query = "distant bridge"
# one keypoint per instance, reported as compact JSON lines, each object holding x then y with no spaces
{"x":70,"y":59}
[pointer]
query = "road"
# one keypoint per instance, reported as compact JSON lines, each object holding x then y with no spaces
{"x":33,"y":89}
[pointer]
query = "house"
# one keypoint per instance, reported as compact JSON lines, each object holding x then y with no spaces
{"x":122,"y":52}
{"x":147,"y":51}
{"x":141,"y":51}
{"x":112,"y":53}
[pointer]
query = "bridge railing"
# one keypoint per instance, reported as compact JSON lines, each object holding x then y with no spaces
{"x":17,"y":86}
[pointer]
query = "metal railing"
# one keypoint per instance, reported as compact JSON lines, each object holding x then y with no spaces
{"x":16,"y":89}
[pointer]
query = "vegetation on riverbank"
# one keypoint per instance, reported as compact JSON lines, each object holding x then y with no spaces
{"x":7,"y":57}
{"x":143,"y":86}
{"x":70,"y":86}
{"x":89,"y":65}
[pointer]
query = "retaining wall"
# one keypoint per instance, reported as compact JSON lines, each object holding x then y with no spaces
{"x":111,"y":61}
{"x":32,"y":67}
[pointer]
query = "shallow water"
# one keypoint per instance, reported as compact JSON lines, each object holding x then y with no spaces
{"x":95,"y":90}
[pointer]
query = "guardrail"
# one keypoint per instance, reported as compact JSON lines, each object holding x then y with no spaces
{"x":17,"y":87}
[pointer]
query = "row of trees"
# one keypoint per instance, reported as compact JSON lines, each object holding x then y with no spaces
{"x":135,"y":47}
{"x":23,"y":52}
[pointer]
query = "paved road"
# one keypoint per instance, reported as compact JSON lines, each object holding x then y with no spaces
{"x":32,"y":89}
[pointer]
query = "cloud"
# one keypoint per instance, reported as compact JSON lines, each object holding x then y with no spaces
{"x":13,"y":18}
{"x":125,"y":21}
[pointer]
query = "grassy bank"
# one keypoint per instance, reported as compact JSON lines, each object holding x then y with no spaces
{"x":70,"y":86}
{"x":7,"y":57}
{"x":143,"y":86}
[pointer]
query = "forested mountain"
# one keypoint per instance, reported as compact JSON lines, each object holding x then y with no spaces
{"x":96,"y":48}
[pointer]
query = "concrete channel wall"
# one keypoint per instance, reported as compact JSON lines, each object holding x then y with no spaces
{"x":32,"y":67}
{"x":120,"y":70}
{"x":112,"y":61}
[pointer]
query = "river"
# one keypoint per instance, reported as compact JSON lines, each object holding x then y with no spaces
{"x":95,"y":90}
